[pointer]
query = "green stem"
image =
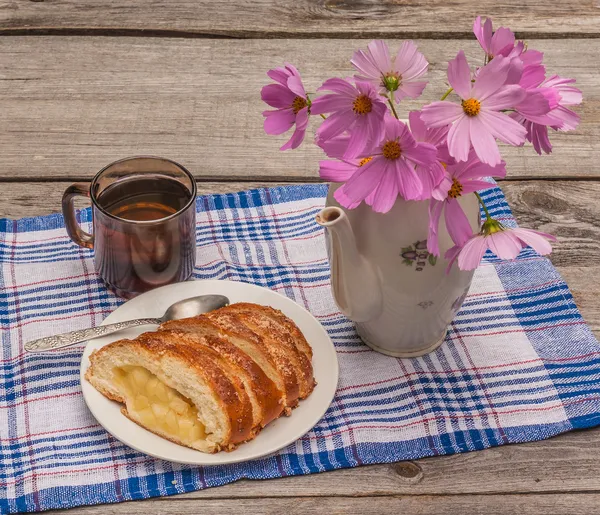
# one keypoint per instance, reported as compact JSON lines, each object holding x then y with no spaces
{"x":485,"y":209}
{"x":323,"y":116}
{"x":391,"y":102}
{"x":445,"y":96}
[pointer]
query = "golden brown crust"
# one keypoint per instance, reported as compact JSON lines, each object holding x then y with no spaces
{"x":273,"y":325}
{"x":203,"y":332}
{"x":235,"y":324}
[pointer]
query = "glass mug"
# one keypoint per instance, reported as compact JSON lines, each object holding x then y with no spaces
{"x":144,"y":223}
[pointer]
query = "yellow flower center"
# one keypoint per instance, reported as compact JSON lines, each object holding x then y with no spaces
{"x":444,"y":165}
{"x":471,"y":107}
{"x":298,"y":103}
{"x":456,"y":189}
{"x":391,"y":150}
{"x":362,"y":105}
{"x":364,"y":161}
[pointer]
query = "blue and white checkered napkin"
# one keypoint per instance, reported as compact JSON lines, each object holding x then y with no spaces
{"x":518,"y":364}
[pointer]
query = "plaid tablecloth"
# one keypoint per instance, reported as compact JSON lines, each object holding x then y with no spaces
{"x":518,"y":364}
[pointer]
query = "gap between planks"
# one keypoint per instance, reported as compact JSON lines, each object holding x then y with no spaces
{"x":274,"y":34}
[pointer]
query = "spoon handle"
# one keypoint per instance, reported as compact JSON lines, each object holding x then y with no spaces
{"x":67,"y":339}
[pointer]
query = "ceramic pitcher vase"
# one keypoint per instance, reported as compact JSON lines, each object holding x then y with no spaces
{"x":383,"y":278}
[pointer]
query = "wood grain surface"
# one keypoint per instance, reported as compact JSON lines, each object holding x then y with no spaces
{"x":178,"y":82}
{"x":74,"y":104}
{"x":297,"y":18}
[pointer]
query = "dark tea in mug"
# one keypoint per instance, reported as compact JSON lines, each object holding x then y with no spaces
{"x":144,"y":224}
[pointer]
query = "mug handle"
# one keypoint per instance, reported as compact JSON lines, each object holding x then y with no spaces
{"x":76,"y":233}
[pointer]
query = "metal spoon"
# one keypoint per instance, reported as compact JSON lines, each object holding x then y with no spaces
{"x":182,"y":309}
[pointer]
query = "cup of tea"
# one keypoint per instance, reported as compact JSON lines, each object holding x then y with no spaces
{"x":144,"y":223}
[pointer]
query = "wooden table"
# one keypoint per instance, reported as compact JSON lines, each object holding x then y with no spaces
{"x":84,"y":82}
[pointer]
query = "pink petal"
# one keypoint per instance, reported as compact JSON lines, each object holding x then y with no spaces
{"x":295,"y":85}
{"x":430,"y":177}
{"x":380,"y":54}
{"x":451,"y":255}
{"x":344,"y":200}
{"x":364,"y":64}
{"x":439,"y":114}
{"x":491,"y":78}
{"x":505,"y":98}
{"x":459,"y":75}
{"x":422,"y":153}
{"x":441,"y":190}
{"x":476,"y":185}
{"x":473,"y":168}
{"x":457,"y":223}
{"x":504,"y":244}
{"x":459,"y":139}
{"x":533,"y":76}
{"x":484,"y":142}
{"x":341,"y":86}
{"x":298,"y":136}
{"x":296,"y":139}
{"x":538,"y":136}
{"x":530,"y":57}
{"x":503,"y":127}
{"x":335,"y":124}
{"x":385,"y":194}
{"x":472,"y":253}
{"x":535,"y":107}
{"x":359,"y":138}
{"x":569,"y":120}
{"x":336,"y":171}
{"x":277,"y":96}
{"x":417,"y":126}
{"x":410,"y":63}
{"x":278,"y":122}
{"x":330,"y":103}
{"x":435,"y":211}
{"x":279,"y":75}
{"x":365,"y":179}
{"x":503,"y":41}
{"x":483,"y":33}
{"x":410,"y":90}
{"x":334,"y":147}
{"x":538,"y":241}
{"x":409,"y":184}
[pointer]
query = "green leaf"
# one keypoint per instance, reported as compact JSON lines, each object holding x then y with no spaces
{"x":407,"y":262}
{"x":432,"y":259}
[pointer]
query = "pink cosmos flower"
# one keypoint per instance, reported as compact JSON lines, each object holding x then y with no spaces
{"x":505,"y":242}
{"x":400,"y":75}
{"x":476,"y":120}
{"x":559,"y":93}
{"x":388,"y":171}
{"x":357,"y":109}
{"x":501,"y":42}
{"x":460,"y":178}
{"x":431,"y":175}
{"x":339,"y":169}
{"x":290,"y":102}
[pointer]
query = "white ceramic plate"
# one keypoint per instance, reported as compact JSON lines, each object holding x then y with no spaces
{"x":276,"y":435}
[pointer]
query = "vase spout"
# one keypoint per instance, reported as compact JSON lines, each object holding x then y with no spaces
{"x":354,"y":281}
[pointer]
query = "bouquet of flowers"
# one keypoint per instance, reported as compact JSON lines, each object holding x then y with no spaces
{"x":447,"y":149}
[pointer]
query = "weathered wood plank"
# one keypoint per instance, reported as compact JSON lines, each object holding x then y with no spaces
{"x":70,"y":105}
{"x":549,"y":504}
{"x":296,"y":18}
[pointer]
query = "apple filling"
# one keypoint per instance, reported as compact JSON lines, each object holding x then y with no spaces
{"x":159,"y":407}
